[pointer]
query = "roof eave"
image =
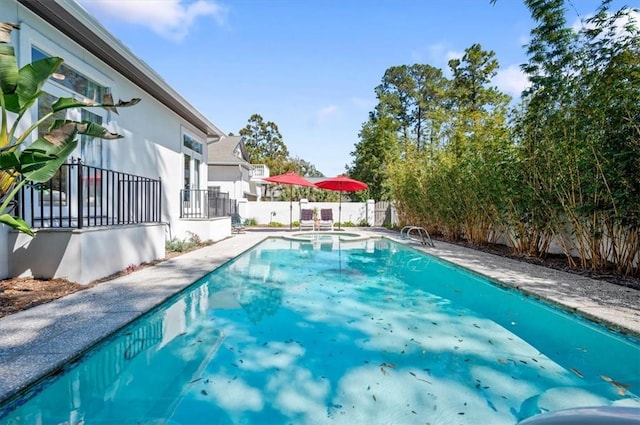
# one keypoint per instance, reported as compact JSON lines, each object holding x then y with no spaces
{"x":72,"y":19}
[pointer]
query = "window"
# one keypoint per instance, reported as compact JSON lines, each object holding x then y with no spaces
{"x":191,"y":144}
{"x":238,"y":151}
{"x":75,"y":84}
{"x":192,"y":151}
{"x":91,"y":147}
{"x":58,"y":188}
{"x":74,"y":80}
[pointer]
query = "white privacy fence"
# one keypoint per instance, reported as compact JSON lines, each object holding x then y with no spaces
{"x":265,"y":212}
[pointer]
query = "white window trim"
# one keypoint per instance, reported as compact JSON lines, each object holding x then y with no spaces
{"x":202,"y":171}
{"x":29,"y":37}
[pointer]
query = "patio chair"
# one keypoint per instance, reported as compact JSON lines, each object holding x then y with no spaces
{"x":236,"y":224}
{"x":326,"y":219}
{"x":306,"y":219}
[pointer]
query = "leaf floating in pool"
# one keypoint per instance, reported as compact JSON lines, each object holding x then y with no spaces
{"x":476,"y":326}
{"x":621,"y":388}
{"x":195,"y":380}
{"x":204,"y":392}
{"x":503,"y":361}
{"x":374,"y":397}
{"x":490,"y":342}
{"x":577,"y":372}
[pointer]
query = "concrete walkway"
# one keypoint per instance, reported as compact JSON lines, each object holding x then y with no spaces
{"x":36,"y":342}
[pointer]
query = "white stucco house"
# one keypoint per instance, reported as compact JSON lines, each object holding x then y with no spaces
{"x":230,"y":169}
{"x":136,"y":192}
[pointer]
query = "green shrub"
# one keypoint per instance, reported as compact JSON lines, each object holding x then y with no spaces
{"x":186,"y":245}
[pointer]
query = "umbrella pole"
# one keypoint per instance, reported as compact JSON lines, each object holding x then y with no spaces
{"x":291,"y":208}
{"x":340,"y":211}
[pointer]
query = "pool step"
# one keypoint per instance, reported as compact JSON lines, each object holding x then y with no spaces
{"x":417,"y":234}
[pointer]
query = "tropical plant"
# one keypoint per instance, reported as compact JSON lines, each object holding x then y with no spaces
{"x":23,"y":163}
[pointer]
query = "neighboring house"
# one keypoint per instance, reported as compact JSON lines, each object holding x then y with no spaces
{"x":128,"y":197}
{"x":230,"y":170}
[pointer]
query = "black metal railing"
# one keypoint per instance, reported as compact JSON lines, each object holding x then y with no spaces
{"x":198,"y":203}
{"x":81,"y":196}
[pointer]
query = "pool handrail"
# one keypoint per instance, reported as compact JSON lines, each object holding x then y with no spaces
{"x":422,"y":235}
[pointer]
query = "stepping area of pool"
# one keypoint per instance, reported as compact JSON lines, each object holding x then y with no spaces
{"x":36,"y":342}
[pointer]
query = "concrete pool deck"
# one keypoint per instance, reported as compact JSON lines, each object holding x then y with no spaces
{"x":36,"y":342}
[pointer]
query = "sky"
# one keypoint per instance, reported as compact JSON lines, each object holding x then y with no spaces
{"x":311,"y":66}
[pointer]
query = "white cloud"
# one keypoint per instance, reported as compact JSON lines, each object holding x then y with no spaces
{"x":511,"y":80}
{"x":620,"y":24}
{"x":434,"y":53}
{"x":171,"y":19}
{"x":327,"y":113}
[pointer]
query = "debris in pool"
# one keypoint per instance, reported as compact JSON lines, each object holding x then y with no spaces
{"x":577,"y":372}
{"x":620,"y":387}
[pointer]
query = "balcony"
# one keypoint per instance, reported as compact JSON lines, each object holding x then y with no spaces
{"x":259,"y":172}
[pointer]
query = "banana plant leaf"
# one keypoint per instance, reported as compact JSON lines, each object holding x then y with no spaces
{"x":44,"y":171}
{"x":31,"y":78}
{"x":67,"y":103}
{"x":8,"y":69}
{"x":16,"y":223}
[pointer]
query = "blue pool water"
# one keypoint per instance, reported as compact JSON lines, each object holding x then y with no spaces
{"x":336,"y":332}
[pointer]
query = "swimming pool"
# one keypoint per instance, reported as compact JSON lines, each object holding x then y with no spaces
{"x":328,"y":331}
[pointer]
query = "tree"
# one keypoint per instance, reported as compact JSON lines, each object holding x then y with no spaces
{"x":265,"y":145}
{"x":23,"y":163}
{"x":304,"y":168}
{"x":373,"y":153}
{"x":413,"y":96}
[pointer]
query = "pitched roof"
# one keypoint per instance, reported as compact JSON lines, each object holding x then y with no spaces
{"x":229,"y":150}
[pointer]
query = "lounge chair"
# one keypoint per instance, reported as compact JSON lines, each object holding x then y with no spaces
{"x":326,"y":219}
{"x":236,"y":223}
{"x":306,"y":220}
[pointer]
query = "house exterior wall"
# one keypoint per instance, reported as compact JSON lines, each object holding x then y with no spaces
{"x":152,"y":145}
{"x":66,"y":253}
{"x":233,"y":179}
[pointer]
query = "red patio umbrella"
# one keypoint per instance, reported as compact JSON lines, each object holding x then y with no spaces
{"x":342,"y":184}
{"x":292,"y":179}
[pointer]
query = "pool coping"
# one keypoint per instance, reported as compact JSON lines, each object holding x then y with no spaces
{"x":36,"y":342}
